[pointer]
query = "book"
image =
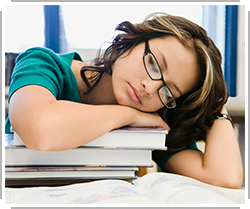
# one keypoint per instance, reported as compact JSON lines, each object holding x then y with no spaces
{"x":57,"y":173}
{"x":23,"y":156}
{"x":152,"y":188}
{"x":21,"y":183}
{"x":122,"y":147}
{"x":126,"y":137}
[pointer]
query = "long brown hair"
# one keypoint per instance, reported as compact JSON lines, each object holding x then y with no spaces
{"x":195,"y":111}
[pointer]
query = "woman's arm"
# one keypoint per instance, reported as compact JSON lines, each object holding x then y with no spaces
{"x":45,"y":123}
{"x":220,"y":164}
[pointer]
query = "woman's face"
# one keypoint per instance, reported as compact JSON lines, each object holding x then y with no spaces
{"x":133,"y":87}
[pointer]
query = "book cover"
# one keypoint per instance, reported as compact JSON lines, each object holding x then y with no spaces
{"x":128,"y":137}
{"x":78,"y":157}
{"x":57,"y":173}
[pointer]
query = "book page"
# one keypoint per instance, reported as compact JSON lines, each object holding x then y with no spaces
{"x":167,"y":188}
{"x":96,"y":192}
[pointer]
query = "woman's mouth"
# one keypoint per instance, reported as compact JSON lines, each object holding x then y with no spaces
{"x":134,"y":94}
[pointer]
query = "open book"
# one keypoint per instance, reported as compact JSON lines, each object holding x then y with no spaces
{"x":153,"y":188}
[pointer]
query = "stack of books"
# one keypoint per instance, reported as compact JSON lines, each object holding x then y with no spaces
{"x":115,"y":155}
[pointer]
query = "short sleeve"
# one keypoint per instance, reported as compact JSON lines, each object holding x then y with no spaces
{"x":41,"y":66}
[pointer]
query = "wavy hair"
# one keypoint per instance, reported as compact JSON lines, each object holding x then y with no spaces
{"x":196,"y":110}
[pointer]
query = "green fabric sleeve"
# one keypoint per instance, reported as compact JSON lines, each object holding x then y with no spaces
{"x":41,"y":66}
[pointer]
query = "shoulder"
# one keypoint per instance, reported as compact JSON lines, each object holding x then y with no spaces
{"x":45,"y":57}
{"x":185,"y":158}
{"x":164,"y":157}
{"x":36,"y":55}
{"x":41,"y":66}
{"x":38,"y":50}
{"x":41,"y":52}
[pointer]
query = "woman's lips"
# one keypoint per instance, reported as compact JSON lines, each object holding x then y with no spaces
{"x":134,"y":94}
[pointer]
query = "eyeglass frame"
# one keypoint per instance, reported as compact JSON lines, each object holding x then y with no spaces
{"x":146,"y":52}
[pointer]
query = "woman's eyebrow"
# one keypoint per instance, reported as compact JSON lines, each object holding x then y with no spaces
{"x":166,"y":67}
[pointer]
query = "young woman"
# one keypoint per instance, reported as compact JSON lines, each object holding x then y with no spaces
{"x":163,"y":72}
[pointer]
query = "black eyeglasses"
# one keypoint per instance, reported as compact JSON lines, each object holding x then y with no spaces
{"x":153,"y":69}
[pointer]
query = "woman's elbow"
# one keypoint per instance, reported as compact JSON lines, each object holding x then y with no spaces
{"x":36,"y":139}
{"x":235,"y":181}
{"x":231,"y":180}
{"x":36,"y":134}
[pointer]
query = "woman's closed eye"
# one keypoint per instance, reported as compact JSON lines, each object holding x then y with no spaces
{"x":153,"y":65}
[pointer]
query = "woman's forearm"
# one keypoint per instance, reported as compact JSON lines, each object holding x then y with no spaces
{"x":219,"y":165}
{"x":73,"y":124}
{"x":45,"y":123}
{"x":222,"y":158}
{"x":78,"y":124}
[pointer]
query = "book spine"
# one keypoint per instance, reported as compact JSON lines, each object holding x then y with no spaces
{"x":78,"y":156}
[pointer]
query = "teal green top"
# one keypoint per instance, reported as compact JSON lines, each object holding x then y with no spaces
{"x":166,"y":156}
{"x":43,"y":67}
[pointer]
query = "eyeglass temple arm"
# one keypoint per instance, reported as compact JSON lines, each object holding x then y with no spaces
{"x":147,"y":50}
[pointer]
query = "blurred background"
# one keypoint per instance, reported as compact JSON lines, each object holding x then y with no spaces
{"x":86,"y":28}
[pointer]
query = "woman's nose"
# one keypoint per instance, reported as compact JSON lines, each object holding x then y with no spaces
{"x":150,"y":87}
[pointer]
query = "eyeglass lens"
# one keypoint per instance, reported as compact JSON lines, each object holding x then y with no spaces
{"x":166,"y":97}
{"x":152,"y":67}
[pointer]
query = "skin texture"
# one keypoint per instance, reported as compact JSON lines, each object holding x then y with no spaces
{"x":180,"y":69}
{"x":128,"y":97}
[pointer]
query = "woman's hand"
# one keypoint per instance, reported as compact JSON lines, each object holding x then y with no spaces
{"x":142,"y":119}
